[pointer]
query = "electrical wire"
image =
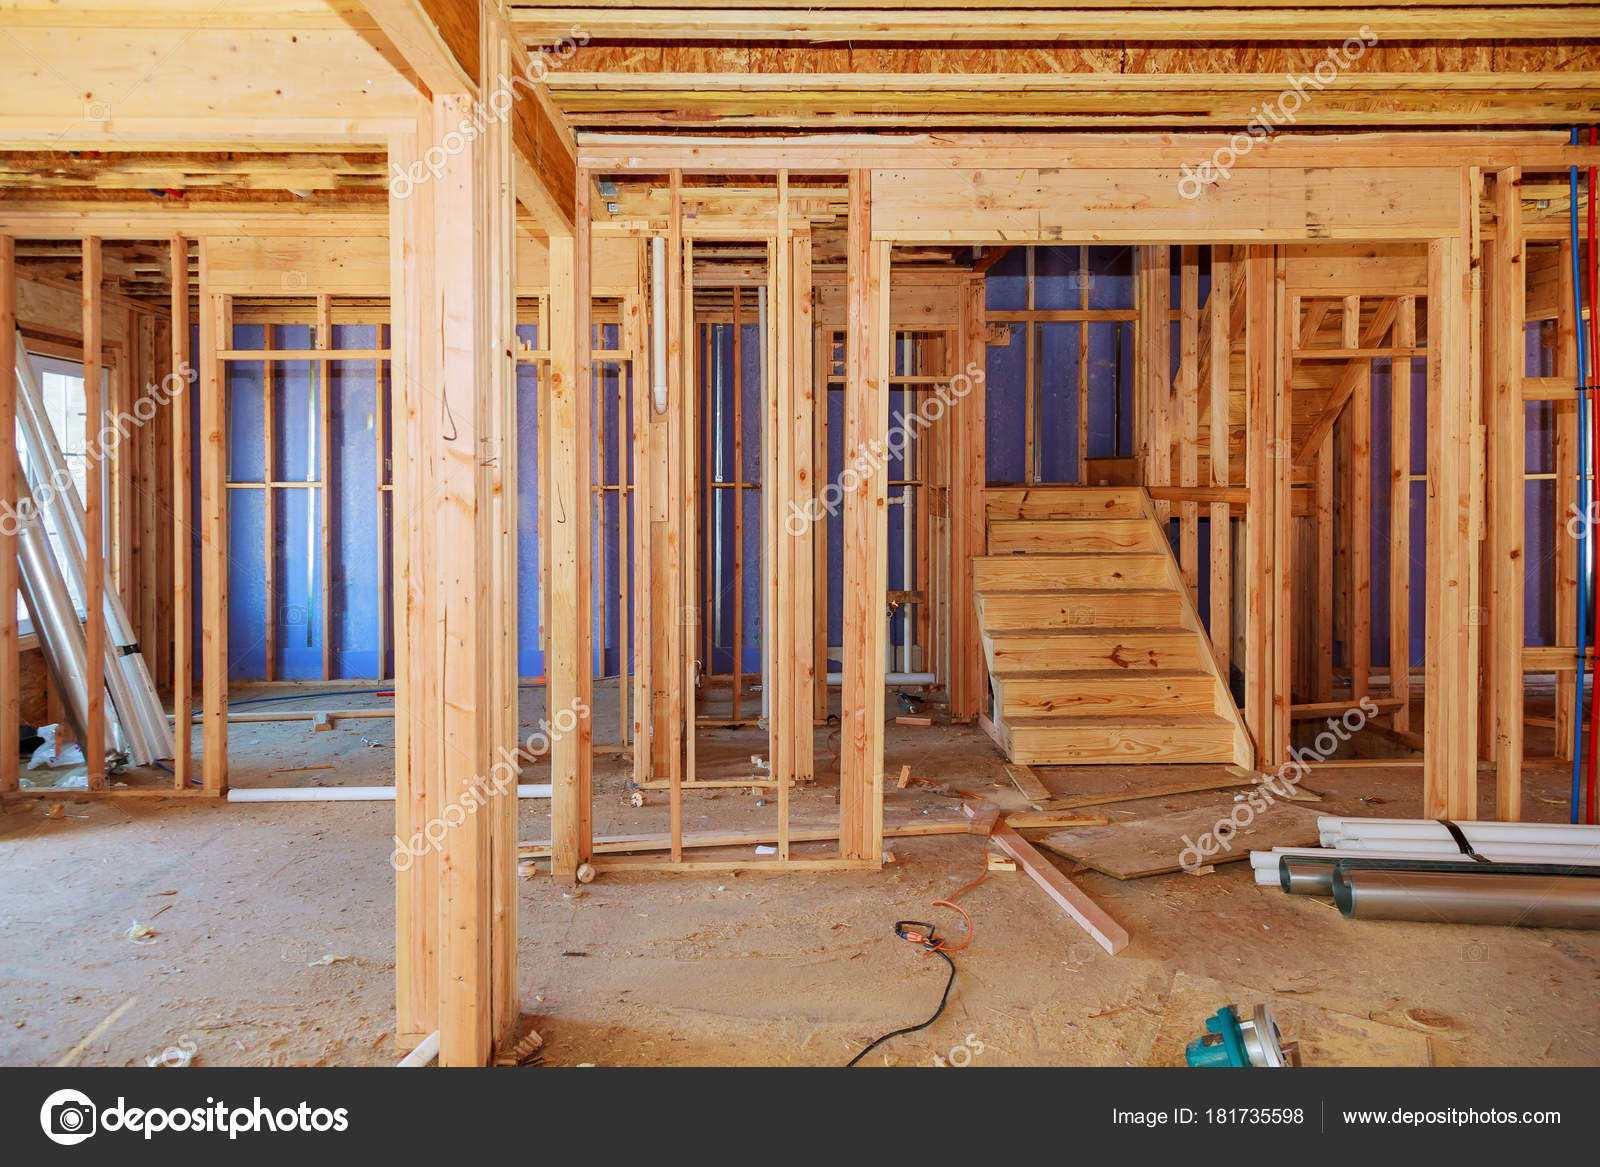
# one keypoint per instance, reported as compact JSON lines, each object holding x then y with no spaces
{"x":944,"y":999}
{"x":941,"y":947}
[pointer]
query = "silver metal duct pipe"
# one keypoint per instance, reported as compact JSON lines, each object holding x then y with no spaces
{"x":55,"y":619}
{"x":1441,"y":897}
{"x":1313,"y":875}
{"x":144,"y":732}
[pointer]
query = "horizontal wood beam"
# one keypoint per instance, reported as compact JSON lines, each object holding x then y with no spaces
{"x":1082,"y":23}
{"x":814,"y":153}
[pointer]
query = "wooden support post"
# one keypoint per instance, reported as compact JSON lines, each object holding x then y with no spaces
{"x":1450,"y":766}
{"x":802,"y":422}
{"x":94,"y":519}
{"x":182,"y":521}
{"x":1264,"y":462}
{"x":1153,"y":372}
{"x":1566,"y":468}
{"x":10,"y":478}
{"x":781,"y":489}
{"x":1219,"y":309}
{"x":269,"y":502}
{"x":1282,"y":515}
{"x":1360,"y":503}
{"x":324,"y":493}
{"x":1030,"y":376}
{"x":684,"y":499}
{"x":1400,"y":517}
{"x":865,"y":532}
{"x":968,"y":534}
{"x":1507,"y":487}
{"x":568,"y":666}
{"x":413,"y":316}
{"x":216,"y":332}
{"x":1188,"y":410}
{"x":1324,"y":569}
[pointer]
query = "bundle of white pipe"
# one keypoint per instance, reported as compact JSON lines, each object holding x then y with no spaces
{"x":1341,"y":832}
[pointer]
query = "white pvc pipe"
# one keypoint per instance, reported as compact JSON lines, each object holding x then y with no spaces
{"x":1563,"y":834}
{"x":658,"y":327}
{"x":423,"y":1054}
{"x":342,"y":793}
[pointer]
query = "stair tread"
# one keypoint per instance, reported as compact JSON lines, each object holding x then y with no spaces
{"x":1116,"y":721}
{"x":1142,"y":676}
{"x":1082,"y":591}
{"x":1031,"y":556}
{"x":1124,"y":631}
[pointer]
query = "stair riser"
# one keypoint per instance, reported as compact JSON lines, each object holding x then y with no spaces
{"x":1040,"y":697}
{"x":1110,"y":744}
{"x":1023,"y":654}
{"x":1062,"y":504}
{"x":1002,"y":613}
{"x":1030,"y":573}
{"x":1006,"y":538}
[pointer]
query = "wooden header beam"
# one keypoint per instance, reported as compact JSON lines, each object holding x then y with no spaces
{"x":1084,"y":22}
{"x":822,"y":153}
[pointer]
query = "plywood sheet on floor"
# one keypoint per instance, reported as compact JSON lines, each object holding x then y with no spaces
{"x":1075,"y":786}
{"x":1155,"y":845}
{"x":1326,"y":1037}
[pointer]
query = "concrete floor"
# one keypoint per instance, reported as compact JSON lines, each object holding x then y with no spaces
{"x":248,"y":902}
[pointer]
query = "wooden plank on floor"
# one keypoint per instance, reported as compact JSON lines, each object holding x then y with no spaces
{"x":1028,"y":782}
{"x":1090,"y":916}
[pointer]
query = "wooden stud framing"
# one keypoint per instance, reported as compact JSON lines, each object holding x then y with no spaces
{"x":216,"y":329}
{"x":94,"y":518}
{"x":324,"y":494}
{"x":1507,"y":488}
{"x":865,"y":551}
{"x":1400,"y":518}
{"x":10,"y":480}
{"x":1360,"y":509}
{"x":568,"y":667}
{"x":1187,"y":405}
{"x":1219,"y":313}
{"x":1450,"y":770}
{"x":182,"y":523}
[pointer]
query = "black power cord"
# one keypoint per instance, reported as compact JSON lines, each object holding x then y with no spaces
{"x":922,"y":935}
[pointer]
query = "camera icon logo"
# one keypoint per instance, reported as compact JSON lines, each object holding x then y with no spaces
{"x":68,"y":1117}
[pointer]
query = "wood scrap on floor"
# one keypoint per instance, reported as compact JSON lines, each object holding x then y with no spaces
{"x":1326,"y":1037}
{"x":1069,"y":896}
{"x":1135,"y":848}
{"x":1028,"y":782}
{"x":1023,"y":820}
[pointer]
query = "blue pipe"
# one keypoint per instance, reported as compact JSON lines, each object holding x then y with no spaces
{"x":1583,"y":486}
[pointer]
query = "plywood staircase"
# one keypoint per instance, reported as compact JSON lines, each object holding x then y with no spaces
{"x":1095,"y":651}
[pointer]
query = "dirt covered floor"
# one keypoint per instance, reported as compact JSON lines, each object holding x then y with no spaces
{"x":273,"y":930}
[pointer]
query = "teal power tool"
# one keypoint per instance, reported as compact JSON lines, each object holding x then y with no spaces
{"x":1232,"y":1042}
